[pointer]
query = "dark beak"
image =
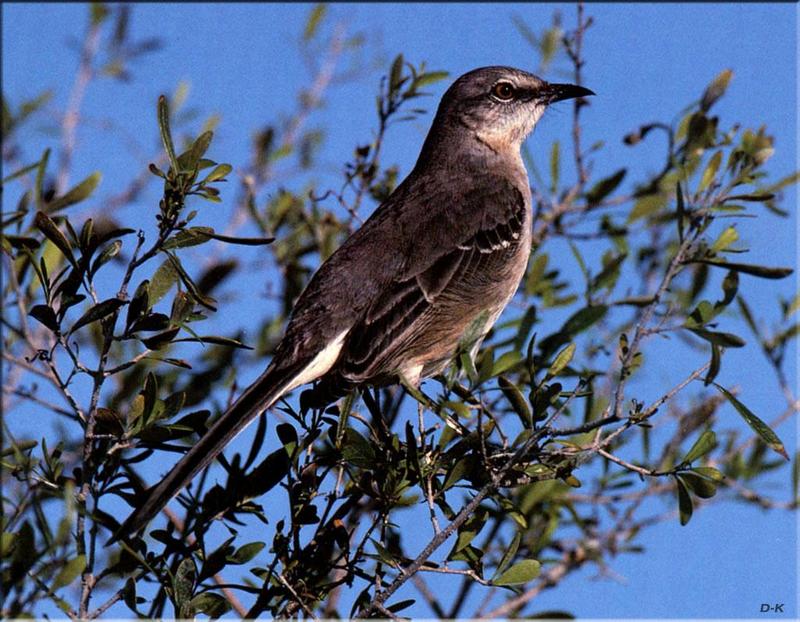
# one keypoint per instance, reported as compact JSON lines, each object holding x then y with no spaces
{"x":559,"y":92}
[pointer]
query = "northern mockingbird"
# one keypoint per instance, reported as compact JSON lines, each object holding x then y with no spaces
{"x":425,"y":276}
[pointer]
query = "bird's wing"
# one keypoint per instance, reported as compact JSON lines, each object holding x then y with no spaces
{"x":404,"y":305}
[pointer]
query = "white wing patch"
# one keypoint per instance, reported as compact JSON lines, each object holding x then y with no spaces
{"x":320,"y":364}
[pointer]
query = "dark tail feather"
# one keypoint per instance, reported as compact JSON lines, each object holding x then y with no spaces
{"x":258,"y":397}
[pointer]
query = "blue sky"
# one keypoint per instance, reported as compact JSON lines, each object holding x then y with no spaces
{"x":645,"y":61}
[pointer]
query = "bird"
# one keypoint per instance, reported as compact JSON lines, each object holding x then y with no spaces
{"x":425,"y":276}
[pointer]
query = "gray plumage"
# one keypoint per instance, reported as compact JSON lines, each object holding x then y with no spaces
{"x":426,"y":275}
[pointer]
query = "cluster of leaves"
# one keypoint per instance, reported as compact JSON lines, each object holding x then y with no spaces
{"x":549,"y":433}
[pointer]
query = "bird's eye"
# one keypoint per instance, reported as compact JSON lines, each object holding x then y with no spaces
{"x":504,"y":91}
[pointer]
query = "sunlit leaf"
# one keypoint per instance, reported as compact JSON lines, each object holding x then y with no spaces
{"x":520,"y":573}
{"x":705,"y":443}
{"x":69,"y":572}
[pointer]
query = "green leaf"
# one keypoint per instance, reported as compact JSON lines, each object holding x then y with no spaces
{"x":555,"y":162}
{"x":609,"y":275}
{"x":561,"y":361}
{"x":520,"y":573}
{"x":97,"y":312}
{"x":700,"y":486}
{"x":213,"y":605}
{"x":716,"y":89}
{"x":430,"y":77}
{"x":48,"y":227}
{"x":314,"y":19}
{"x":206,"y":301}
{"x":760,"y":271}
{"x":183,"y":587}
{"x":725,"y":239}
{"x":396,"y":73}
{"x":604,"y":187}
{"x":189,"y":160}
{"x":584,"y":318}
{"x":219,"y":172}
{"x":466,"y":534}
{"x":506,"y":361}
{"x":758,"y":426}
{"x":189,"y":237}
{"x":709,"y":473}
{"x":164,"y":278}
{"x":517,"y":401}
{"x":77,"y":194}
{"x":166,"y":135}
{"x":710,"y":173}
{"x":509,"y":554}
{"x":69,"y":572}
{"x":459,"y":471}
{"x":705,"y":443}
{"x":246,"y":552}
{"x":358,"y":450}
{"x":684,"y":501}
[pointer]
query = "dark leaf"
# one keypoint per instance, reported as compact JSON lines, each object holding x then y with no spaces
{"x":45,"y":315}
{"x":213,"y":605}
{"x":399,"y":606}
{"x":684,"y":501}
{"x":241,"y":241}
{"x":700,"y":486}
{"x":139,"y":304}
{"x":714,"y":366}
{"x":220,"y":341}
{"x":604,"y":187}
{"x":97,"y":312}
{"x":108,"y":253}
{"x":764,"y":272}
{"x":158,"y":341}
{"x":726,"y":340}
{"x":358,"y":450}
{"x":48,"y":227}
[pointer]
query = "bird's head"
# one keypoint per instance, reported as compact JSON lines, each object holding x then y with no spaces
{"x":500,"y":105}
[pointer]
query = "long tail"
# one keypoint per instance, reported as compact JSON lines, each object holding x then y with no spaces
{"x":258,"y":397}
